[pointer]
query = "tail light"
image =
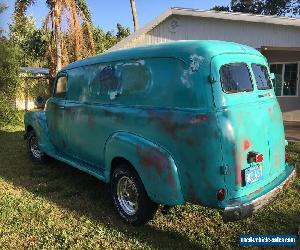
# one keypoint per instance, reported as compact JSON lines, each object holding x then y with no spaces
{"x":255,"y":157}
{"x":221,"y":194}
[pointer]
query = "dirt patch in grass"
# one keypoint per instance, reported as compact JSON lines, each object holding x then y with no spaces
{"x":55,"y":206}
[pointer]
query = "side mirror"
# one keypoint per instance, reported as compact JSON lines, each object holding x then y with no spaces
{"x":272,"y":76}
{"x":40,"y":102}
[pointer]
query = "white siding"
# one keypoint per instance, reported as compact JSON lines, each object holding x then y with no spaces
{"x":249,"y":33}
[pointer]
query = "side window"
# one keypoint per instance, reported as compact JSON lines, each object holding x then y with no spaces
{"x":134,"y":78}
{"x":108,"y":80}
{"x":261,"y":76}
{"x":61,"y":87}
{"x":235,"y":77}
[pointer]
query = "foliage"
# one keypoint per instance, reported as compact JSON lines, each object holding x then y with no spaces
{"x":82,"y":6}
{"x":221,"y":8}
{"x":104,"y":41}
{"x":28,"y":45}
{"x":74,"y":40}
{"x":58,"y":207}
{"x":32,"y":42}
{"x":264,"y":7}
{"x":9,"y":81}
{"x":64,"y":13}
{"x":3,"y":7}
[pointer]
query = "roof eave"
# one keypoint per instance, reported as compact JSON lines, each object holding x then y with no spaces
{"x":222,"y":15}
{"x":237,"y":16}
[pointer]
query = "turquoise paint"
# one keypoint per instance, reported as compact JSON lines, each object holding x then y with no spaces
{"x":162,"y":108}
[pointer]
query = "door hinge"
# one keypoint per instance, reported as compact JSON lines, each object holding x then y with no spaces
{"x":211,"y":78}
{"x":224,"y":170}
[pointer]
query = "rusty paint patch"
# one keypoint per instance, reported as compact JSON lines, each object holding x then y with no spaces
{"x":90,"y":119}
{"x":171,"y":124}
{"x":198,"y":118}
{"x":238,"y":169}
{"x":166,"y":122}
{"x":203,"y":169}
{"x":255,"y":192}
{"x":246,"y":144}
{"x":192,"y":197}
{"x":191,"y":140}
{"x":270,"y":111}
{"x":71,"y":113}
{"x":117,"y":115}
{"x":152,"y":157}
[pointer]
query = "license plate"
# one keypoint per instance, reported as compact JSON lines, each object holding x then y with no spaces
{"x":253,"y":174}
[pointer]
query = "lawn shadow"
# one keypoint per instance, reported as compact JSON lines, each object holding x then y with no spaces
{"x":75,"y":191}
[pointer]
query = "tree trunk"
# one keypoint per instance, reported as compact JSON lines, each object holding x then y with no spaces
{"x":56,"y":8}
{"x":134,"y":15}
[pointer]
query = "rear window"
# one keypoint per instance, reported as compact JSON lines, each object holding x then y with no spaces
{"x":235,"y":77}
{"x":261,"y":76}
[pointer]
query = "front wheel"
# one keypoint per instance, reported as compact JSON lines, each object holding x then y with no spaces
{"x":130,"y":198}
{"x":33,"y":148}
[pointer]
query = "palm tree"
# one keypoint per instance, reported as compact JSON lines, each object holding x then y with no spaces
{"x":76,"y":15}
{"x":134,"y":15}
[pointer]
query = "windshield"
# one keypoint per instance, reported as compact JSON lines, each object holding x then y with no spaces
{"x":261,"y":76}
{"x":235,"y":77}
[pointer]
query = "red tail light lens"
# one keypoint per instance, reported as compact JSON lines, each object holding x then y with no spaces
{"x":259,"y":158}
{"x":255,"y":157}
{"x":221,"y":194}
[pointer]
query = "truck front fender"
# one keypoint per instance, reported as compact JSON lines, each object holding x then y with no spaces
{"x":154,"y":165}
{"x":37,"y":121}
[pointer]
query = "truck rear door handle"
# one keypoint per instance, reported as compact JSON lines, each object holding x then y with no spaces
{"x":61,"y":107}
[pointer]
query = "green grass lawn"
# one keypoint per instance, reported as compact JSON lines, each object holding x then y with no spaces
{"x":55,"y":206}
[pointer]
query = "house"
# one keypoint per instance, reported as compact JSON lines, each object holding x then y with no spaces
{"x":35,"y":83}
{"x":278,"y":38}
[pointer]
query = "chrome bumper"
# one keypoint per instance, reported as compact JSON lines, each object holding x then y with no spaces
{"x":244,"y":210}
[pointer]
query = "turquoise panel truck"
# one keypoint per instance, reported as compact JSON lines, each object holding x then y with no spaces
{"x":188,"y":121}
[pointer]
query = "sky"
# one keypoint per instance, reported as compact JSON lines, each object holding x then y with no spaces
{"x":106,"y":14}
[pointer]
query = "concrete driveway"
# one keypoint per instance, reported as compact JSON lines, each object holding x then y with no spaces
{"x":292,"y":131}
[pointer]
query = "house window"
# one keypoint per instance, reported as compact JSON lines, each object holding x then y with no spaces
{"x":286,"y":78}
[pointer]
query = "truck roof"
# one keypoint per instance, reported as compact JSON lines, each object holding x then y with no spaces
{"x":179,"y":49}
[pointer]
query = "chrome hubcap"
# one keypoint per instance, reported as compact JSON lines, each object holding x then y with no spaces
{"x":34,"y":147}
{"x":127,"y":195}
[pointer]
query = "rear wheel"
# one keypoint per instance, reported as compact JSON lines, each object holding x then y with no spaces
{"x":130,"y":198}
{"x":33,"y":148}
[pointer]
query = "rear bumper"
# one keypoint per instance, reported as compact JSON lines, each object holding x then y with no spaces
{"x":241,"y":211}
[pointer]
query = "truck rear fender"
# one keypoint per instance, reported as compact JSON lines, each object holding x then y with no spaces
{"x":154,"y":165}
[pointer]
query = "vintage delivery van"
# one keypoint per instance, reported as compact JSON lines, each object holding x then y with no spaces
{"x":188,"y":121}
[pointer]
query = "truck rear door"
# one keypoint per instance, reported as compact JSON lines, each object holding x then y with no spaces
{"x":250,"y":122}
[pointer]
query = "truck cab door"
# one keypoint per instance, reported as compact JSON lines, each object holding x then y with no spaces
{"x":55,"y":112}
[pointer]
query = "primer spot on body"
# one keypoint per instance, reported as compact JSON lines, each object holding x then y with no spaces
{"x":196,"y":61}
{"x":112,"y":94}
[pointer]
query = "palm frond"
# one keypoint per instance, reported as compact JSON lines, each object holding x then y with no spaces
{"x":21,"y":6}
